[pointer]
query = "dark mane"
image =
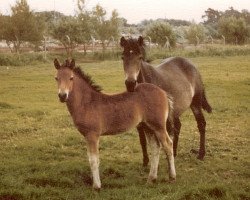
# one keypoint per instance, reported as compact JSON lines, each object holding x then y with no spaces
{"x":132,"y":45}
{"x":88,"y":79}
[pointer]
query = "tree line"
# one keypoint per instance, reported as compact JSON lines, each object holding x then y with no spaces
{"x":23,"y":26}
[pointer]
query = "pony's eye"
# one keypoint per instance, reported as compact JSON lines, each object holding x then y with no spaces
{"x":122,"y":57}
{"x":56,"y":78}
{"x":71,"y":78}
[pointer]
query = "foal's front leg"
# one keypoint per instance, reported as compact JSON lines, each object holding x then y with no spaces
{"x":93,"y":155}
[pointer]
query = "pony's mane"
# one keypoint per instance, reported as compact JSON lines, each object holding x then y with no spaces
{"x":88,"y":79}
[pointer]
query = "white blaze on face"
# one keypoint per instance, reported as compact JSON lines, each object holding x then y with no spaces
{"x":131,"y":76}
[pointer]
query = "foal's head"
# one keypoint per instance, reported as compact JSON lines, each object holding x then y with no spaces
{"x":64,"y":78}
{"x":132,"y":56}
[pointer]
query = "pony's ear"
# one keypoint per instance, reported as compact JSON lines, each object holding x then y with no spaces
{"x":57,"y":64}
{"x":140,"y":41}
{"x":72,"y":64}
{"x":123,"y":41}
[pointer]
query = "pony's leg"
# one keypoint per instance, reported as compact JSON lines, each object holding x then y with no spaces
{"x":177,"y":128}
{"x":167,"y":145}
{"x":201,"y":124}
{"x":93,"y":156}
{"x":143,"y":142}
{"x":154,"y":159}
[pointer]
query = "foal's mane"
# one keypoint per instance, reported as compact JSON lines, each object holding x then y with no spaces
{"x":88,"y":79}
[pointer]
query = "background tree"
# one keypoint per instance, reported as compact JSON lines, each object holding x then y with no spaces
{"x":195,"y":34}
{"x":22,"y":26}
{"x":234,"y":29}
{"x":84,"y":21}
{"x":158,"y":31}
{"x":69,"y":32}
{"x":105,"y":29}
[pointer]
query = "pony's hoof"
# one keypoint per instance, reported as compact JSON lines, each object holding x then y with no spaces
{"x":172,"y":180}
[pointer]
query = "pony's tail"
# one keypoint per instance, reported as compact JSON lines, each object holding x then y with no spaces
{"x":205,"y":105}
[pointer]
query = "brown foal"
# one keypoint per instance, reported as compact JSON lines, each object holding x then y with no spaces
{"x":95,"y":114}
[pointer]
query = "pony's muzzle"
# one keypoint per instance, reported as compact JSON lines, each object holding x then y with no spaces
{"x":62,"y":97}
{"x":130,"y":85}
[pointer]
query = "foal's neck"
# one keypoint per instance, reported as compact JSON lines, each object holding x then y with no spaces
{"x":81,"y":95}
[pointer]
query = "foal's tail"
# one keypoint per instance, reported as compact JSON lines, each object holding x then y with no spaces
{"x":170,"y":119}
{"x":205,"y":105}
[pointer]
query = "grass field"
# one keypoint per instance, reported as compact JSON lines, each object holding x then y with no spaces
{"x":42,"y":156}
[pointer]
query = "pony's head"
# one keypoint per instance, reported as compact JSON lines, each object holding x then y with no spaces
{"x":132,"y":56}
{"x":64,"y":78}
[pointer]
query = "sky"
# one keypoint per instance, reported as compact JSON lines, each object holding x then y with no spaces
{"x":137,"y":10}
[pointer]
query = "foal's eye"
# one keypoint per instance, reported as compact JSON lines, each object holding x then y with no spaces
{"x":122,"y":57}
{"x":71,"y":78}
{"x":56,"y":78}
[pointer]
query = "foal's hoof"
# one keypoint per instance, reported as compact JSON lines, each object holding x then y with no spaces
{"x":151,"y":181}
{"x":96,"y":188}
{"x":200,"y":157}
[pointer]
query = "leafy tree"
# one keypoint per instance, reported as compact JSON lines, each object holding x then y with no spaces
{"x":234,"y":29}
{"x":69,"y":32}
{"x":158,"y":31}
{"x":22,"y":26}
{"x":84,"y":21}
{"x":105,"y":29}
{"x":195,"y":33}
{"x":211,"y":16}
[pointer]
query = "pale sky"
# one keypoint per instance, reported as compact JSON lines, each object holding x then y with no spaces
{"x":137,"y":10}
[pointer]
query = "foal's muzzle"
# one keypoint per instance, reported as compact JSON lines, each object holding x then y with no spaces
{"x":130,"y":85}
{"x":62,"y":97}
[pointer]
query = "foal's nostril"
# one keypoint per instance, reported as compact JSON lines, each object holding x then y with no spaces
{"x":62,"y":96}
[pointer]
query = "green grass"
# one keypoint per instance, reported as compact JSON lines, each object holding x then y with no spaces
{"x":42,"y":156}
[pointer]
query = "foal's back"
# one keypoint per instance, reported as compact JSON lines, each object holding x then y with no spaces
{"x":121,"y":112}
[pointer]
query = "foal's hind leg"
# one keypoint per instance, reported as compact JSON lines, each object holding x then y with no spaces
{"x":93,"y":154}
{"x":201,"y":124}
{"x":167,"y":145}
{"x":155,"y":154}
{"x":143,"y":142}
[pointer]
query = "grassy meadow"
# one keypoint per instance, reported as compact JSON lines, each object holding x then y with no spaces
{"x":43,"y":156}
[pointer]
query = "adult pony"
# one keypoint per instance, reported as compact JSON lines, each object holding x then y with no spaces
{"x":178,"y":77}
{"x":95,"y":114}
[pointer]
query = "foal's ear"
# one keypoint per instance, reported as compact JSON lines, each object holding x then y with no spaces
{"x":123,"y":41}
{"x":57,"y":64}
{"x":72,"y":64}
{"x":140,"y":41}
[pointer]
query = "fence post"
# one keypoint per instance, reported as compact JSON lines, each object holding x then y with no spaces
{"x":167,"y":44}
{"x":45,"y":48}
{"x":149,"y":42}
{"x":93,"y":43}
{"x":224,"y":39}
